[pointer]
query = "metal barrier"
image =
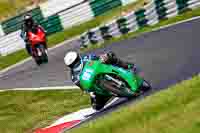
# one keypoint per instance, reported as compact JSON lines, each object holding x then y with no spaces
{"x":54,"y":16}
{"x":11,"y":43}
{"x":54,"y":6}
{"x":76,"y":15}
{"x":1,"y":31}
{"x":149,"y":15}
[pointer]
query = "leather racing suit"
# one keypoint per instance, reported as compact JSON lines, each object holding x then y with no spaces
{"x":98,"y":101}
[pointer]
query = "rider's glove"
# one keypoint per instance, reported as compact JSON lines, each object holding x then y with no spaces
{"x":132,"y":67}
{"x":104,"y":58}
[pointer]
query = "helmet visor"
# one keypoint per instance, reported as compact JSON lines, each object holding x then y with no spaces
{"x":29,"y":22}
{"x":77,"y":66}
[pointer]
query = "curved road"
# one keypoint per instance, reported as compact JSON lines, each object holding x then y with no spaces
{"x":166,"y":56}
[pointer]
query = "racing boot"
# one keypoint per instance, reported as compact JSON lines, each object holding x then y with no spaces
{"x":98,"y":101}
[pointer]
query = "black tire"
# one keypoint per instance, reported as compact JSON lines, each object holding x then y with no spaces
{"x":45,"y":58}
{"x":146,"y":86}
{"x":38,"y":61}
{"x":109,"y":86}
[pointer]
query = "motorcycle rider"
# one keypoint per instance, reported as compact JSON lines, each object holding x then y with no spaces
{"x":73,"y":60}
{"x":29,"y":25}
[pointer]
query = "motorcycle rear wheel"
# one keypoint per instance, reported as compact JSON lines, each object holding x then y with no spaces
{"x":45,"y":58}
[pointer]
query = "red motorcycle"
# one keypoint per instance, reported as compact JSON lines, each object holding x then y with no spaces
{"x":37,"y":40}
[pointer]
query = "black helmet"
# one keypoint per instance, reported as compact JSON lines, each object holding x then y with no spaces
{"x":28,"y":20}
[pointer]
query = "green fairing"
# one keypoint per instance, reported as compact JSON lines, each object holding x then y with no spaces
{"x":94,"y":68}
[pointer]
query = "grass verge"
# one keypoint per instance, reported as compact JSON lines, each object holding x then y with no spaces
{"x":6,"y":61}
{"x":142,"y":30}
{"x":24,"y":111}
{"x":175,"y":110}
{"x":9,"y":8}
{"x":59,"y":37}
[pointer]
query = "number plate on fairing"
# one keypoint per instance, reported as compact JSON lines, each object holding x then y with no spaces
{"x":87,"y":74}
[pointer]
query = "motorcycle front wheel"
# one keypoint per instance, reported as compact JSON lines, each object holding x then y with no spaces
{"x":38,"y":61}
{"x":146,"y":86}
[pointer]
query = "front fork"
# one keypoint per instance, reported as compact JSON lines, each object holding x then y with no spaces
{"x":39,"y":52}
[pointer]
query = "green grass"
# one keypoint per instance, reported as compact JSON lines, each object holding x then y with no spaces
{"x":142,"y":30}
{"x":6,"y":61}
{"x":9,"y":8}
{"x":23,"y":112}
{"x":175,"y":110}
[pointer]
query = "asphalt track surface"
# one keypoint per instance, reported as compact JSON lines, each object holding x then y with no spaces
{"x":177,"y":60}
{"x":166,"y":56}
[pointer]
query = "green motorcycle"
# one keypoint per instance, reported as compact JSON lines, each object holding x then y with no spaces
{"x":109,"y":80}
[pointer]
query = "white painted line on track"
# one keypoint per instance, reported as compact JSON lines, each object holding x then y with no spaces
{"x":42,"y":88}
{"x":63,"y":43}
{"x":173,"y":24}
{"x":15,"y":65}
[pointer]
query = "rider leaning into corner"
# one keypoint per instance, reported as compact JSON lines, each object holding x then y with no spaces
{"x":73,"y":60}
{"x":29,"y":25}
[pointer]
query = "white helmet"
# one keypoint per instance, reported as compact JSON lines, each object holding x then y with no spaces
{"x":71,"y":58}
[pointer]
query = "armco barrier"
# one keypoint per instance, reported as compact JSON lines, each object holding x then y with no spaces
{"x":76,"y":15}
{"x":52,"y":24}
{"x":11,"y":43}
{"x":15,"y":23}
{"x":54,"y":6}
{"x":149,"y":15}
{"x":101,"y":6}
{"x":193,"y":4}
{"x":54,"y":16}
{"x":126,"y":2}
{"x":1,"y":31}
